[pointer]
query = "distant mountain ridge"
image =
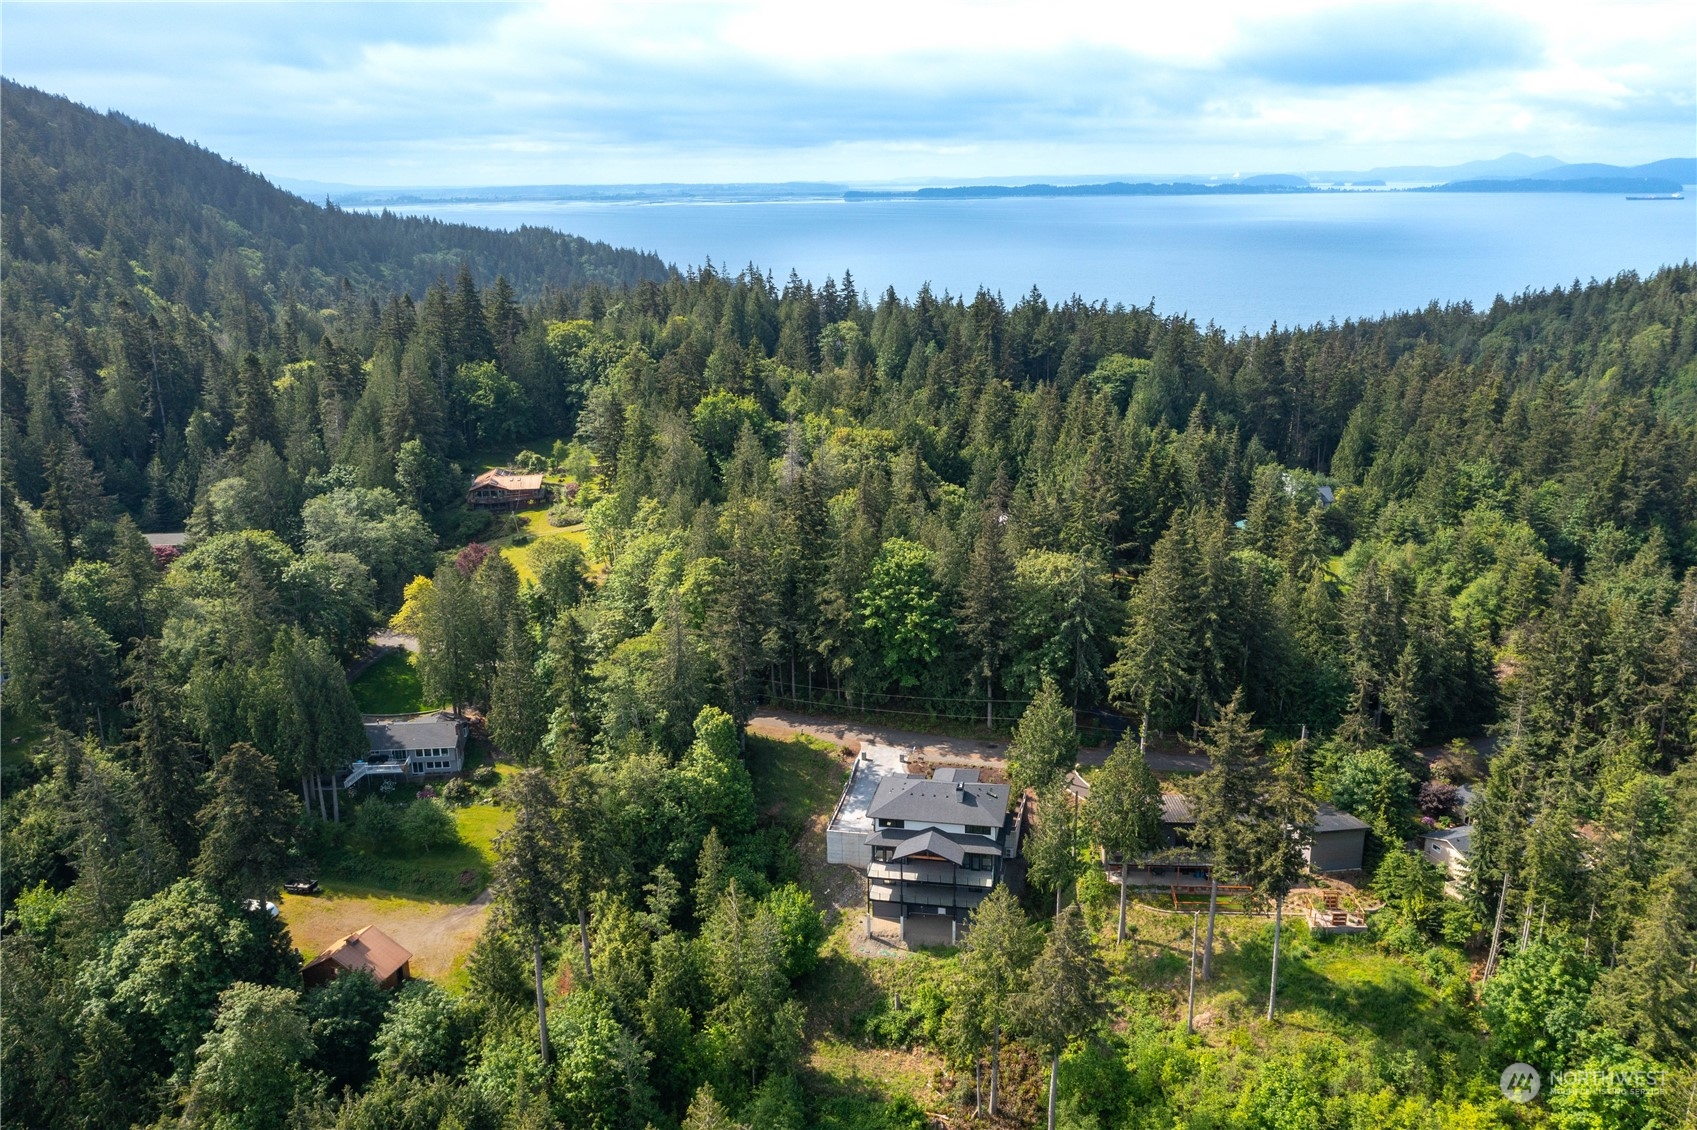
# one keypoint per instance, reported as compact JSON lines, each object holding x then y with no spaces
{"x":1511,"y":167}
{"x":1518,"y":166}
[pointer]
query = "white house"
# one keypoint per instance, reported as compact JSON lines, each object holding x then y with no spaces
{"x":1450,"y":850}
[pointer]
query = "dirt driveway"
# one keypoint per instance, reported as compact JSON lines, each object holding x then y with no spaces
{"x":439,"y":934}
{"x":785,"y":724}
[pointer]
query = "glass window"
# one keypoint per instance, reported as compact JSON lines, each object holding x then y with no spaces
{"x":882,"y":823}
{"x":978,"y":829}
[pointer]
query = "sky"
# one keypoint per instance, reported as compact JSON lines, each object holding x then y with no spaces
{"x":606,"y":93}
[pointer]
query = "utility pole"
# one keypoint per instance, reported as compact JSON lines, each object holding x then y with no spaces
{"x":1190,"y":1008}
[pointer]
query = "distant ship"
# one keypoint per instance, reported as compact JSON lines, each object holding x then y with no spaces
{"x":1658,"y":196}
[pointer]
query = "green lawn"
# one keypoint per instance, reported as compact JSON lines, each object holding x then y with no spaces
{"x":454,"y":874}
{"x":390,"y":686}
{"x":534,"y":527}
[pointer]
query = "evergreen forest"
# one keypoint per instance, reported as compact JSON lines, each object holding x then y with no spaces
{"x":1432,"y":569}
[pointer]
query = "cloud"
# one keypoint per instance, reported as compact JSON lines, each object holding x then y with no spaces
{"x":601,"y":91}
{"x":1388,"y":45}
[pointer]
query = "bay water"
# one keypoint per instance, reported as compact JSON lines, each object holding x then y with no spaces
{"x":1238,"y":261}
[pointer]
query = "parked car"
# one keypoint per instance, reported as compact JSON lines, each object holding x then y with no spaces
{"x":302,"y":887}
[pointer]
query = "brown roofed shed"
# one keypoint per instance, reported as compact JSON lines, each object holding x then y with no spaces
{"x":367,"y":950}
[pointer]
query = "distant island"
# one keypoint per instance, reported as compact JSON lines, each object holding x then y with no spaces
{"x":1512,"y":173}
{"x":1271,"y":185}
{"x":1608,"y":185}
{"x":1254,"y":186}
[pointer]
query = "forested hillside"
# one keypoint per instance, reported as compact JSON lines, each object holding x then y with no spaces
{"x":1360,"y":539}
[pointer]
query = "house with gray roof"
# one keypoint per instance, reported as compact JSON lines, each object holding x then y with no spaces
{"x":937,"y":846}
{"x":1337,"y":842}
{"x":411,"y":747}
{"x":1451,"y":850}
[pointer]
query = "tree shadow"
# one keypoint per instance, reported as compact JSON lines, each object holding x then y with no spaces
{"x":839,"y":993}
{"x":1392,"y":1009}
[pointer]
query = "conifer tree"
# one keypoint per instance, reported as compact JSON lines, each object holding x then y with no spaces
{"x":995,"y":957}
{"x":985,"y":614}
{"x":249,"y":826}
{"x":528,"y":887}
{"x":1045,"y":741}
{"x":1124,"y":809}
{"x":161,"y":753}
{"x":517,"y":702}
{"x":1153,"y":673}
{"x":1051,"y":848}
{"x":1650,"y":995}
{"x":1064,"y":996}
{"x":1222,"y":795}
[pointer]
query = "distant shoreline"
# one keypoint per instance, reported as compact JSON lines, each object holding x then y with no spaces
{"x":1606,"y":186}
{"x":1269,"y":186}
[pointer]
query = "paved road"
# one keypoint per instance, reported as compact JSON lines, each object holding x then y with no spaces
{"x":934,"y":747}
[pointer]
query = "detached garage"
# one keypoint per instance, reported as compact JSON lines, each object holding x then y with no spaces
{"x":1340,"y":841}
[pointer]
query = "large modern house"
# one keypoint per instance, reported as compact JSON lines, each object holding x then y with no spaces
{"x":937,"y":847}
{"x":931,"y":847}
{"x":424,"y":745}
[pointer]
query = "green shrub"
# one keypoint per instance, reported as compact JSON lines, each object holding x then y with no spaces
{"x":565,"y":514}
{"x":457,"y":793}
{"x":1460,"y":924}
{"x":427,"y":825}
{"x":378,"y":823}
{"x":801,"y":926}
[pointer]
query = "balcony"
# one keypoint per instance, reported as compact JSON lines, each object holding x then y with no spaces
{"x":938,"y":873}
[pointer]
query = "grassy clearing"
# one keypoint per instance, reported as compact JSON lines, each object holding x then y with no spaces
{"x":533,"y":530}
{"x":1340,"y":999}
{"x":439,"y":934}
{"x":452,"y":874}
{"x":390,"y":686}
{"x":797,"y":778}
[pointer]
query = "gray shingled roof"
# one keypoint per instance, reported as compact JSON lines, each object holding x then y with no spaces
{"x":1329,"y":819}
{"x":1459,"y":838}
{"x":933,"y":841}
{"x":955,"y":773}
{"x":1175,"y":809}
{"x":939,"y":802}
{"x":897,"y":837}
{"x":417,"y":733}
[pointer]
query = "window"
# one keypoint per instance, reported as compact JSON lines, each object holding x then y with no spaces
{"x":881,"y":854}
{"x":978,"y":829}
{"x":883,"y":823}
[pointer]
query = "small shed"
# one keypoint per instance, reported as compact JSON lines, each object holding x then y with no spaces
{"x":1339,"y":841}
{"x":367,"y":950}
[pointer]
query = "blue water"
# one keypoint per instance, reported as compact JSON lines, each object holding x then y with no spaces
{"x":1239,"y":261}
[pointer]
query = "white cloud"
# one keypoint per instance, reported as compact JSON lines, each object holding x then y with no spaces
{"x":442,"y":94}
